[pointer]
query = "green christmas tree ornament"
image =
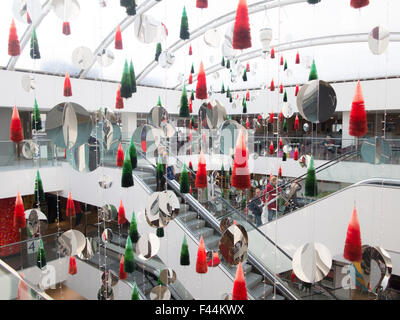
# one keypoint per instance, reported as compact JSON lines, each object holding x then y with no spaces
{"x":223,"y":62}
{"x":192,"y":96}
{"x":41,"y":256}
{"x":184,"y":109}
{"x":245,"y":75}
{"x":160,"y":232}
{"x":192,"y":69}
{"x":228,"y":64}
{"x":36,"y":120}
{"x":159,"y":104}
{"x":133,"y":154}
{"x":285,"y":97}
{"x":185,"y":258}
{"x":284,"y":127}
{"x":184,"y":180}
{"x":38,"y":190}
{"x":133,"y":77}
{"x":133,"y":230}
{"x":244,"y":104}
{"x":158,"y":51}
{"x":34,"y":53}
{"x":285,"y":66}
{"x":313,"y":72}
{"x":129,"y":257}
{"x":126,"y":82}
{"x":135,"y":292}
{"x":228,"y":92}
{"x":127,"y":178}
{"x":223,"y":89}
{"x":311,"y":185}
{"x":184,"y":34}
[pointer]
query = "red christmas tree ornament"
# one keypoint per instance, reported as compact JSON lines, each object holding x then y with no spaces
{"x":67,"y":86}
{"x":121,"y":214}
{"x":70,"y":206}
{"x":352,"y":247}
{"x":259,"y":118}
{"x":281,"y":63}
{"x":65,"y":153}
{"x":190,"y":109}
{"x":202,"y":4}
{"x":271,"y":148}
{"x":248,"y":67}
{"x":241,"y":31}
{"x":190,"y":79}
{"x":215,"y":260}
{"x":240,"y":174}
{"x":280,"y":172}
{"x":28,"y":18}
{"x":201,"y":88}
{"x":280,"y":143}
{"x":296,"y":123}
{"x":272,"y":86}
{"x":72,"y":266}
{"x":281,"y":88}
{"x":122,"y":274}
{"x":14,"y":48}
{"x":66,"y":28}
{"x":357,"y":4}
{"x":119,"y":101}
{"x":118,"y":38}
{"x":190,"y":50}
{"x":19,"y":213}
{"x":247,"y":123}
{"x":298,"y":58}
{"x":296,"y":92}
{"x":15,"y":127}
{"x":271,"y":117}
{"x":120,"y":156}
{"x":201,"y":263}
{"x":296,"y":154}
{"x":239,"y":286}
{"x":293,"y":276}
{"x":280,"y":117}
{"x":358,"y":116}
{"x":272,"y":53}
{"x":247,"y":95}
{"x":201,"y":175}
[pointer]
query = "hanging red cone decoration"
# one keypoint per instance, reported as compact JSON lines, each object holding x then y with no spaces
{"x":28,"y":18}
{"x":19,"y":213}
{"x":215,"y":260}
{"x":271,"y":148}
{"x":202,"y":4}
{"x":240,"y":178}
{"x":121,"y":214}
{"x":293,"y":277}
{"x":352,"y":247}
{"x":281,"y":63}
{"x":201,"y":175}
{"x":248,"y":95}
{"x":190,"y":50}
{"x":190,"y":79}
{"x":118,"y":38}
{"x":122,"y":274}
{"x":296,"y":92}
{"x":66,"y":28}
{"x":280,"y":172}
{"x":271,"y":117}
{"x":296,"y":154}
{"x":239,"y":286}
{"x":120,"y":156}
{"x":281,"y":88}
{"x":15,"y":127}
{"x":280,"y":143}
{"x":241,"y":31}
{"x":65,"y":153}
{"x":201,"y":88}
{"x":296,"y":123}
{"x":357,"y":4}
{"x":72,"y":266}
{"x":201,"y":263}
{"x":280,"y":117}
{"x":248,"y":67}
{"x":247,"y":123}
{"x":70,"y":206}
{"x":190,"y":109}
{"x":297,"y":58}
{"x":272,"y":86}
{"x":67,"y":86}
{"x":14,"y":48}
{"x":272,"y":53}
{"x":119,"y":101}
{"x":358,"y":116}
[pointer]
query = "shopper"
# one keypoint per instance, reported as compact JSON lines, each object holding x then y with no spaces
{"x":270,"y":192}
{"x":256,"y":206}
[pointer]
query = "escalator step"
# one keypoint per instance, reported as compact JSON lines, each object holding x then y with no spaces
{"x":196,"y":224}
{"x":211,"y":242}
{"x":261,"y":291}
{"x":252,"y":279}
{"x":187,"y":216}
{"x":205,"y":232}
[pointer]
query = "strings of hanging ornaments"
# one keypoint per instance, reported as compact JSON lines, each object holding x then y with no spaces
{"x":241,"y":30}
{"x":14,"y":48}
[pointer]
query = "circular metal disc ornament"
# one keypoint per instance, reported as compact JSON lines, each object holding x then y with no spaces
{"x":316,"y":101}
{"x":167,"y":130}
{"x":70,"y":126}
{"x":306,"y":127}
{"x":105,"y":182}
{"x":226,"y":296}
{"x":108,"y":213}
{"x":82,"y":57}
{"x":167,"y":276}
{"x":312,"y":262}
{"x":89,"y":250}
{"x":33,"y":222}
{"x":71,"y":243}
{"x":105,"y":58}
{"x":147,"y":138}
{"x":378,"y":40}
{"x":166,"y":59}
{"x":148,"y":29}
{"x":265,"y":36}
{"x":376,"y":151}
{"x":66,"y":10}
{"x":105,"y":293}
{"x":169,"y":204}
{"x":233,"y":244}
{"x":287,"y":110}
{"x":254,"y":183}
{"x":109,"y":278}
{"x":30,"y":150}
{"x":157,"y":116}
{"x":22,"y":7}
{"x":28,"y":82}
{"x":107,"y":235}
{"x":160,"y":293}
{"x":228,"y":132}
{"x":84,"y":158}
{"x":147,"y":246}
{"x":212,"y":38}
{"x":154,"y":216}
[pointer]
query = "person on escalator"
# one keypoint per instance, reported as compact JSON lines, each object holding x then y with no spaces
{"x":256,"y":205}
{"x":270,"y":191}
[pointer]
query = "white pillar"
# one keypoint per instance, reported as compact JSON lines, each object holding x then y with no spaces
{"x":347,"y":139}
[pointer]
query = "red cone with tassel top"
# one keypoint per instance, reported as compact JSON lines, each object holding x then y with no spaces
{"x":280,"y":172}
{"x":297,"y":58}
{"x":296,"y":154}
{"x":241,"y":31}
{"x":201,"y":263}
{"x":19,"y":213}
{"x":281,"y":88}
{"x":293,"y":276}
{"x":15,"y":127}
{"x":280,"y":143}
{"x":190,"y":78}
{"x":358,"y":116}
{"x":14,"y":48}
{"x":122,"y":274}
{"x":121,"y":214}
{"x":201,"y":88}
{"x":281,"y":62}
{"x":120,"y":156}
{"x":190,"y":50}
{"x":247,"y":95}
{"x":296,"y":92}
{"x":118,"y":39}
{"x":247,"y":125}
{"x":272,"y":53}
{"x":272,"y":86}
{"x":280,"y":117}
{"x":239,"y":286}
{"x":201,"y":175}
{"x":357,"y":4}
{"x":70,"y":206}
{"x":28,"y":18}
{"x":271,"y":148}
{"x":202,"y":4}
{"x":190,"y":108}
{"x":67,"y":86}
{"x":215,"y":260}
{"x":248,"y":67}
{"x":352,"y":247}
{"x":296,"y":123}
{"x":271,"y":117}
{"x":119,"y":101}
{"x":66,"y":28}
{"x":72,"y":266}
{"x":240,"y":174}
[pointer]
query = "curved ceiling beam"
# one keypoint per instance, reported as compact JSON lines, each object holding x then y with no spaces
{"x":125,"y":23}
{"x":27,"y":34}
{"x":220,"y":21}
{"x":299,"y":44}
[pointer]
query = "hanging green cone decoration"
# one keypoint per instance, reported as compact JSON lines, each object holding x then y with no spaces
{"x":311,"y":188}
{"x":35,"y":53}
{"x":285,"y":66}
{"x":36,"y":121}
{"x":130,"y":6}
{"x":285,"y":97}
{"x":41,"y":256}
{"x":192,"y":122}
{"x":184,"y":180}
{"x":243,"y":204}
{"x":158,"y":51}
{"x":192,"y":96}
{"x":222,"y":173}
{"x":284,"y":127}
{"x":244,"y":104}
{"x":135,"y":292}
{"x":313,"y":72}
{"x":159,"y":104}
{"x":160,"y":232}
{"x":245,"y":75}
{"x":223,"y":89}
{"x":133,"y":77}
{"x":185,"y":258}
{"x":129,"y":258}
{"x":38,"y":190}
{"x":133,"y":154}
{"x":184,"y":109}
{"x":184,"y":35}
{"x":126,"y":82}
{"x":127,"y":178}
{"x":228,"y":92}
{"x":160,"y":175}
{"x":230,"y":97}
{"x":133,"y":231}
{"x":284,"y":156}
{"x":228,"y":64}
{"x":192,"y":69}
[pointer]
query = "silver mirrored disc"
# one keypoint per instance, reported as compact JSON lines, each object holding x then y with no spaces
{"x":233,"y":244}
{"x":166,"y":59}
{"x":105,"y":182}
{"x":33,"y":222}
{"x":28,"y":82}
{"x":40,"y":214}
{"x":147,"y":138}
{"x":160,"y":293}
{"x":148,"y":29}
{"x":108,"y":213}
{"x":212,"y":38}
{"x":109,"y":278}
{"x":225,"y":224}
{"x":167,"y":130}
{"x":169,"y":204}
{"x":106,"y":292}
{"x":82,"y":57}
{"x":312,"y":262}
{"x":66,"y":10}
{"x":254,"y":183}
{"x":30,"y":150}
{"x":306,"y":127}
{"x":107,"y":133}
{"x":265,"y":36}
{"x":263,"y":181}
{"x":84,"y":158}
{"x":89,"y":250}
{"x":71,"y":243}
{"x":147,"y":246}
{"x":105,"y":58}
{"x":228,"y":132}
{"x":316,"y":101}
{"x":167,"y":276}
{"x":21,"y":8}
{"x":157,"y":116}
{"x":376,"y":151}
{"x":154,"y":216}
{"x":378,"y":40}
{"x":287,"y":110}
{"x":70,"y":126}
{"x":107,"y":235}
